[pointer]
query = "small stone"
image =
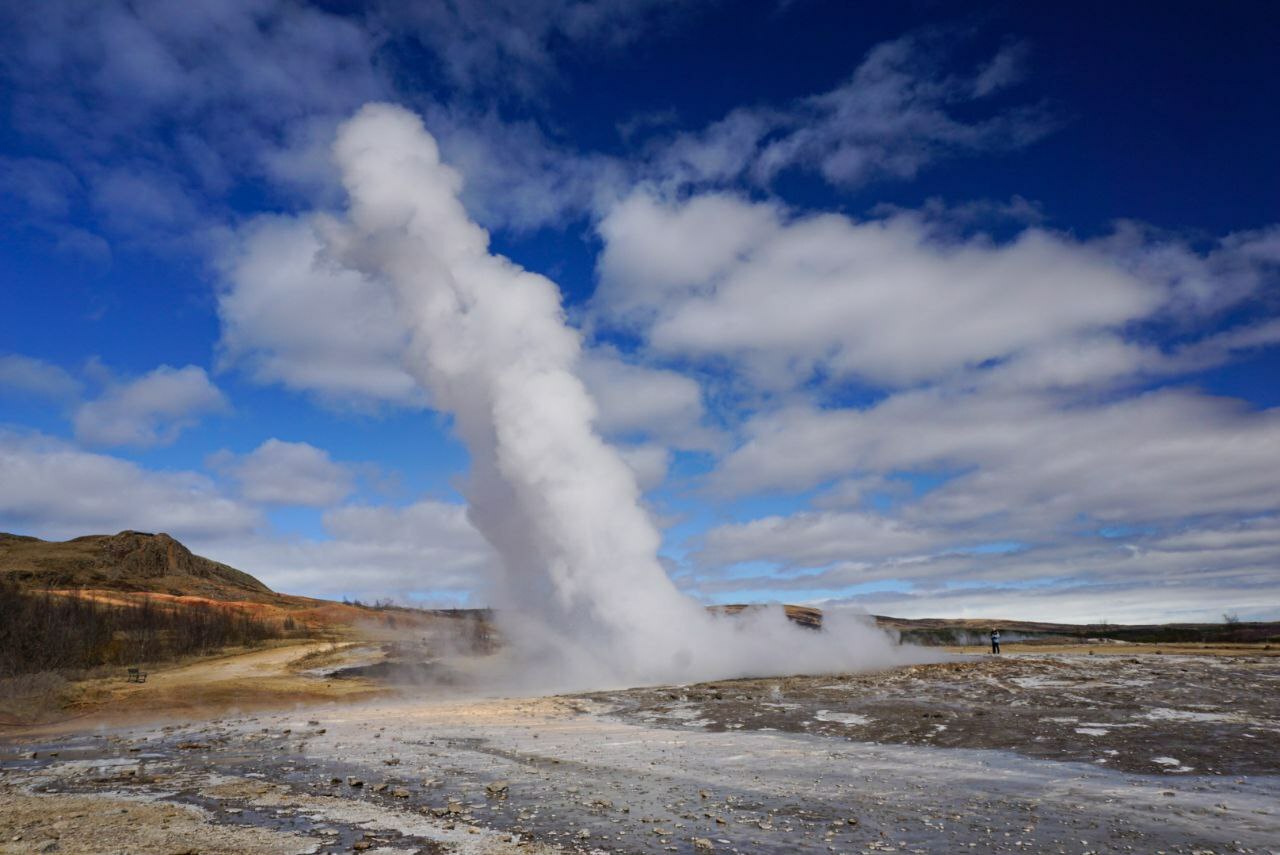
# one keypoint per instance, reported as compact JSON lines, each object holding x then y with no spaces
{"x":584,"y":834}
{"x":702,"y":844}
{"x":353,"y":781}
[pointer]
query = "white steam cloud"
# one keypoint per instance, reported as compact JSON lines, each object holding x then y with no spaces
{"x":583,"y":595}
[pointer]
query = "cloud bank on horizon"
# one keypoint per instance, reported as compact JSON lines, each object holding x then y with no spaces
{"x":904,"y":331}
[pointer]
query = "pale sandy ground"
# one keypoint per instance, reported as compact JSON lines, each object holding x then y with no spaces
{"x":102,"y":823}
{"x":525,"y":775}
{"x":279,"y":676}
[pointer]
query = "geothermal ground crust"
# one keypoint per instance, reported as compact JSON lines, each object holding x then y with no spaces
{"x":1070,"y":753}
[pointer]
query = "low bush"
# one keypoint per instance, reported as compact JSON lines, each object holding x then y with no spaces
{"x":42,"y":631}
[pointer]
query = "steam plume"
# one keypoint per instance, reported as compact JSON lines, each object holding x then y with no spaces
{"x":583,"y":590}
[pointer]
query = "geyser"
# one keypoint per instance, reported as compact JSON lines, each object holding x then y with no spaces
{"x":582,"y":593}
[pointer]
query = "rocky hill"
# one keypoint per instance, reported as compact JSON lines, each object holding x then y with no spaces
{"x":128,"y":561}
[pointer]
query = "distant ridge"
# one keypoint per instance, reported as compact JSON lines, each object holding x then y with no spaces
{"x":128,"y":561}
{"x":805,"y":616}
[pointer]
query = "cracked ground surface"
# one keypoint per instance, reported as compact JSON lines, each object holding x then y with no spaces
{"x":936,"y":758}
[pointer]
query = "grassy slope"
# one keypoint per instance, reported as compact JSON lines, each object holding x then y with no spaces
{"x":128,"y":561}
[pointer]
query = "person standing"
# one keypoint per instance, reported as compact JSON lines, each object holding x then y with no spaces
{"x":995,"y":641}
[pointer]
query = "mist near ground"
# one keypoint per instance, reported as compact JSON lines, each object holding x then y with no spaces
{"x":581,"y":596}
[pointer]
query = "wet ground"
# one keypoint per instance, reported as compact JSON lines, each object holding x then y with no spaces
{"x":926,"y":759}
{"x":1146,"y":714}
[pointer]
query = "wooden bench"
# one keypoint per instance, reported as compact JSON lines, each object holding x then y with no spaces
{"x":136,"y":676}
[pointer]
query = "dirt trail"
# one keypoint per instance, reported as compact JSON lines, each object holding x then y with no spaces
{"x":261,"y":679}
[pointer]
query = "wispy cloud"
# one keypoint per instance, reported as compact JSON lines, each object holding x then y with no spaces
{"x":149,"y":410}
{"x":897,"y":114}
{"x":287,"y":473}
{"x":56,"y":490}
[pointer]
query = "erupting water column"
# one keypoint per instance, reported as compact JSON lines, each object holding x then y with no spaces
{"x":583,"y":584}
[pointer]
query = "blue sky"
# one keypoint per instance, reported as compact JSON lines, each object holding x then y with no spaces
{"x":929,"y":310}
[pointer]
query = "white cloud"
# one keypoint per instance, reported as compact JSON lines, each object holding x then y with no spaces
{"x":1200,"y":284}
{"x":894,"y":116}
{"x":102,"y":86}
{"x":656,"y":253}
{"x":814,"y":539}
{"x":884,"y":301}
{"x":1157,"y":456}
{"x":426,"y":549}
{"x":348,"y":347}
{"x":891,"y":118}
{"x":25,"y":375}
{"x":1147,"y":508}
{"x":1115,"y":602}
{"x":635,"y":400}
{"x":507,"y":46}
{"x":1004,"y":69}
{"x":53,"y":490}
{"x":649,"y":463}
{"x":44,"y":186}
{"x":1010,"y":401}
{"x":259,"y":86}
{"x":518,"y":178}
{"x":151,"y":410}
{"x":292,"y":316}
{"x":1193,"y":573}
{"x":288,"y":473}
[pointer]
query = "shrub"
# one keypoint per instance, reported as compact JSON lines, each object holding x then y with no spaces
{"x":45,"y":631}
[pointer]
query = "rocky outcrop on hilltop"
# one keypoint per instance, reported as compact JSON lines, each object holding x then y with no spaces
{"x":128,"y":561}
